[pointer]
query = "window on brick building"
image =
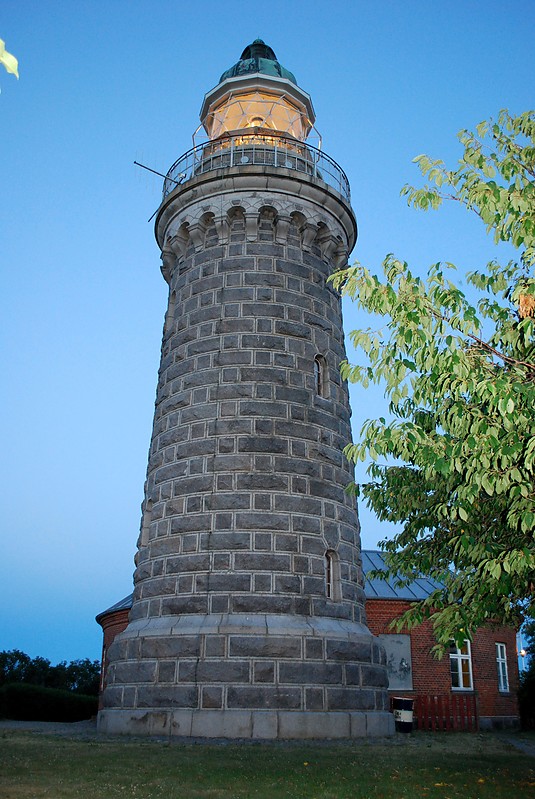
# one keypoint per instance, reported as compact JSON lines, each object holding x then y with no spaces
{"x":501,"y":663}
{"x":461,"y":667}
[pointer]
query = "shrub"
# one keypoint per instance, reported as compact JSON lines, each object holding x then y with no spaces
{"x":26,"y":702}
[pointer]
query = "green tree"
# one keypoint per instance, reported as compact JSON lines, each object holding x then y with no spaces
{"x":459,"y":448}
{"x":8,"y":60}
{"x":79,"y":676}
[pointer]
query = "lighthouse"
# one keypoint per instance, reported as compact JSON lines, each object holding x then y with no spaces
{"x":248,"y":617}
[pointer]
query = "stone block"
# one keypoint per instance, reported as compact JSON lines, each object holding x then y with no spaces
{"x":314,"y":725}
{"x":210,"y":671}
{"x":358,"y":724}
{"x":262,"y":583}
{"x":334,"y":610}
{"x":260,"y":603}
{"x":350,"y":699}
{"x":300,"y":504}
{"x":185,"y":583}
{"x":133,"y":649}
{"x":270,"y":444}
{"x":219,"y":604}
{"x":264,"y":671}
{"x":215,"y":646}
{"x":194,"y":562}
{"x":310,"y":673}
{"x":175,"y":646}
{"x":267,"y":646}
{"x":262,"y":561}
{"x":229,"y":582}
{"x":314,"y":585}
{"x":243,"y":264}
{"x":223,"y":521}
{"x":263,"y":697}
{"x":232,"y":463}
{"x":298,"y":396}
{"x":329,"y":491}
{"x":286,"y":328}
{"x":269,"y":375}
{"x":344,"y":650}
{"x":287,"y":584}
{"x":135,"y":672}
{"x":257,"y":520}
{"x":169,"y":696}
{"x":262,"y":278}
{"x":374,"y":676}
{"x":286,"y":543}
{"x":273,"y":310}
{"x":262,"y":501}
{"x":264,"y":482}
{"x":211,"y":724}
{"x":113,"y":696}
{"x":262,"y":408}
{"x":158,"y":587}
{"x":239,"y":325}
{"x":222,"y":501}
{"x":230,"y":541}
{"x":212,"y":697}
{"x":166,"y":671}
{"x":297,"y":465}
{"x":302,"y":605}
{"x":175,"y":606}
{"x":379,"y":724}
{"x":294,"y":267}
{"x":264,"y":725}
{"x":193,"y":485}
{"x":314,"y":699}
{"x":314,"y":648}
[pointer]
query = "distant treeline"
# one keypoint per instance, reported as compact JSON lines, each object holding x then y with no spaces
{"x":79,"y":676}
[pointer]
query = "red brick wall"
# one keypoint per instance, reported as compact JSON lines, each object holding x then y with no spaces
{"x":112,"y":625}
{"x":432,"y":676}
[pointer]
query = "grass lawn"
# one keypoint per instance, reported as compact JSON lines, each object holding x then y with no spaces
{"x":34,"y":765}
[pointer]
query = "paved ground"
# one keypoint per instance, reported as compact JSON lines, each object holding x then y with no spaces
{"x":75,"y":729}
{"x":88,"y":729}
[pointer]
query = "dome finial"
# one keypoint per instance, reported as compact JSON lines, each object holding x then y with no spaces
{"x":258,"y":57}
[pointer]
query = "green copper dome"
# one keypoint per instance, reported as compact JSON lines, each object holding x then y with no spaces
{"x":258,"y":57}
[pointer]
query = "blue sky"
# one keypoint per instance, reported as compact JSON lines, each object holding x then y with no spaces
{"x":105,"y":83}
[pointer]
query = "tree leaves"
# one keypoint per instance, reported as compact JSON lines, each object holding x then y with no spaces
{"x":460,"y":379}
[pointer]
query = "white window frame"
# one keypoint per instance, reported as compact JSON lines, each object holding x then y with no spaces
{"x":461,"y":657}
{"x":501,"y":665}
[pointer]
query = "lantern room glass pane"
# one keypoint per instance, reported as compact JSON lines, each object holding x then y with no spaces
{"x":256,"y":109}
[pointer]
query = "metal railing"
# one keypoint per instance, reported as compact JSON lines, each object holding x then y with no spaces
{"x":245,"y":150}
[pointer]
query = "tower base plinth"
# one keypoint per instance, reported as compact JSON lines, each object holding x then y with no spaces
{"x":246,"y":724}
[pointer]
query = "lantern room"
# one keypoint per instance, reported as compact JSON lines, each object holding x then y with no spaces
{"x":257,"y":96}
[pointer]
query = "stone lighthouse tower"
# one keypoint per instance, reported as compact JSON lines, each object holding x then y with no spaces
{"x":248,"y":610}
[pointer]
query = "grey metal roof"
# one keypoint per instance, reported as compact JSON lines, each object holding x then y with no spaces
{"x":419,"y":588}
{"x":123,"y":604}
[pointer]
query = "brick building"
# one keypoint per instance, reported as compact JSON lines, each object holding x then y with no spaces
{"x":474,"y":688}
